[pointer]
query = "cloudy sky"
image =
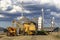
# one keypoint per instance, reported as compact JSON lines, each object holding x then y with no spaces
{"x":12,"y":9}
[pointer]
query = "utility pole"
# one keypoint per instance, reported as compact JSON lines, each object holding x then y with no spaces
{"x":18,"y":27}
{"x":52,"y":23}
{"x":22,"y":14}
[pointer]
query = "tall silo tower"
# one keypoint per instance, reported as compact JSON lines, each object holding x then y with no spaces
{"x":41,"y":21}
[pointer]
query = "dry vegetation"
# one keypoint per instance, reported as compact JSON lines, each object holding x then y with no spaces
{"x":52,"y":36}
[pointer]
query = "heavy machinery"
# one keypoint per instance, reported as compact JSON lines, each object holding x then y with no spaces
{"x":11,"y":31}
{"x":28,"y":28}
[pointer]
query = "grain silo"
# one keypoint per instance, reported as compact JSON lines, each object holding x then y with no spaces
{"x":39,"y":23}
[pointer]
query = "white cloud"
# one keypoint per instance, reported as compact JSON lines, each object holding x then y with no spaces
{"x":48,"y":10}
{"x":55,"y":14}
{"x":16,"y":8}
{"x":2,"y":16}
{"x":55,"y":3}
{"x":25,"y":0}
{"x":4,"y":4}
{"x":27,"y":11}
{"x":18,"y":18}
{"x":43,"y":1}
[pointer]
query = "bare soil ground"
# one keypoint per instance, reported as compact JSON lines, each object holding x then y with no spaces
{"x":52,"y":36}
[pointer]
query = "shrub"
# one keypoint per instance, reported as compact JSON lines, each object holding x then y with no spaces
{"x":42,"y":32}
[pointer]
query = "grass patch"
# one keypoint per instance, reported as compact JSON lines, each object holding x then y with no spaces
{"x":57,"y":36}
{"x":42,"y":32}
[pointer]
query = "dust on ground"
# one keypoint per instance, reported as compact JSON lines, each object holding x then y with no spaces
{"x":52,"y":36}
